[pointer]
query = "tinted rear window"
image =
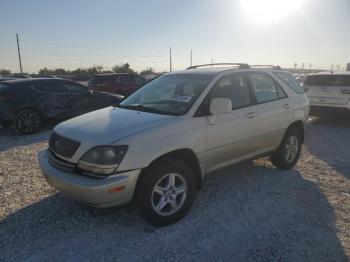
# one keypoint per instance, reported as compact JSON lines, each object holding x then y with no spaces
{"x":328,"y":80}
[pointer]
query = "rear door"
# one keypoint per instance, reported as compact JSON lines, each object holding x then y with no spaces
{"x":81,"y":100}
{"x":51,"y":97}
{"x":328,"y":89}
{"x":275,"y":110}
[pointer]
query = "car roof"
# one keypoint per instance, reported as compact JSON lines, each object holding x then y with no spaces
{"x":200,"y":71}
{"x":113,"y":74}
{"x":218,"y":70}
{"x":331,"y":73}
{"x":28,"y":80}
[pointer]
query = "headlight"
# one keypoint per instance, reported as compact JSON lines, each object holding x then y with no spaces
{"x":102,"y":160}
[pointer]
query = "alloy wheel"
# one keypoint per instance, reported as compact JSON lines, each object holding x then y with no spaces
{"x":27,"y":122}
{"x":292,"y":147}
{"x":169,"y":194}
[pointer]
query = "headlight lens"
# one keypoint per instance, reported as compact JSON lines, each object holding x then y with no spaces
{"x":102,"y":160}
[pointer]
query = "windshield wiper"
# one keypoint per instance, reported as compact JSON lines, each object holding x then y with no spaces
{"x":140,"y":107}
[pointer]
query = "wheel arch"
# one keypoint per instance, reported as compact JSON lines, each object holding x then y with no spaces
{"x":29,"y":107}
{"x":185,"y":155}
{"x":299,"y":125}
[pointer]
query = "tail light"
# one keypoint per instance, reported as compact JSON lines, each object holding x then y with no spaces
{"x":345,"y":91}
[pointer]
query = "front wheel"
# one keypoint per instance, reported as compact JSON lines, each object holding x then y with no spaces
{"x":166,"y":192}
{"x":27,"y":122}
{"x":288,"y":153}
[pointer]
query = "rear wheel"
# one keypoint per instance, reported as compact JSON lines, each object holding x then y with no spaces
{"x":288,"y":153}
{"x":166,"y":192}
{"x":27,"y":122}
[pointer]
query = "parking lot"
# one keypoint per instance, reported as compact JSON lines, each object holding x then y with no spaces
{"x":250,"y":212}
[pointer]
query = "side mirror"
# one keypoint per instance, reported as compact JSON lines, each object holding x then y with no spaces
{"x":90,"y":92}
{"x":220,"y":106}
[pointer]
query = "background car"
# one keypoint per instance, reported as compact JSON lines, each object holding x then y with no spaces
{"x":123,"y":84}
{"x":26,"y":103}
{"x":328,"y":89}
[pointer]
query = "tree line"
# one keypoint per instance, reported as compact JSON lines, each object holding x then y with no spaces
{"x":83,"y":73}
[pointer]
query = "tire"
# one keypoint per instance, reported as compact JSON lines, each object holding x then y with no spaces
{"x":27,"y":122}
{"x":287,"y":154}
{"x":166,"y":192}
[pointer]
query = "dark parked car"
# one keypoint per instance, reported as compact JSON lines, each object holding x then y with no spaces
{"x":26,"y":103}
{"x":6,"y":78}
{"x":123,"y":84}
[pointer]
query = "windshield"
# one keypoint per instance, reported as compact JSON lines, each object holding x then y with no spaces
{"x":168,"y":94}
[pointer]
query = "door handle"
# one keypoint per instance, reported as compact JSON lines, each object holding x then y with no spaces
{"x":251,"y":115}
{"x":287,"y":106}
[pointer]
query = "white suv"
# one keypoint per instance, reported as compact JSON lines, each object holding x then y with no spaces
{"x":329,"y":89}
{"x":159,"y":143}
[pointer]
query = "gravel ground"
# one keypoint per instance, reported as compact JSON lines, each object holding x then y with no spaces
{"x":249,"y":212}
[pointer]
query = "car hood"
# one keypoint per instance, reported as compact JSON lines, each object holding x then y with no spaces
{"x":120,"y":97}
{"x":107,"y":125}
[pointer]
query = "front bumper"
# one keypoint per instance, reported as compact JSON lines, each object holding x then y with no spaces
{"x":114,"y":190}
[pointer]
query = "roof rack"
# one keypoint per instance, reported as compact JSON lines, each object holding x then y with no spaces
{"x":276,"y":67}
{"x":239,"y":65}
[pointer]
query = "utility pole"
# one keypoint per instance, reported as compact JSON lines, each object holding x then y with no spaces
{"x":19,"y":55}
{"x":171,"y":65}
{"x":191,"y":59}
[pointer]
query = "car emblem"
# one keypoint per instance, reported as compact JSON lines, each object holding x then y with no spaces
{"x":58,"y":144}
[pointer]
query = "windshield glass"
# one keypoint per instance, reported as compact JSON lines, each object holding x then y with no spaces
{"x":168,"y":94}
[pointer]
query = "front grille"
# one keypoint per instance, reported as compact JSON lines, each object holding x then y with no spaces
{"x":59,"y":163}
{"x":63,"y":146}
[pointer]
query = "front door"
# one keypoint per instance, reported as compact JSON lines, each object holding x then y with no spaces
{"x":231,"y":137}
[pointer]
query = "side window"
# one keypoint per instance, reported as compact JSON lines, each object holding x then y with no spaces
{"x":139,"y":80}
{"x":290,"y":81}
{"x":264,"y":87}
{"x":126,"y":79}
{"x":75,"y":88}
{"x":43,"y":86}
{"x":234,"y":87}
{"x":52,"y":87}
{"x":281,"y":93}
